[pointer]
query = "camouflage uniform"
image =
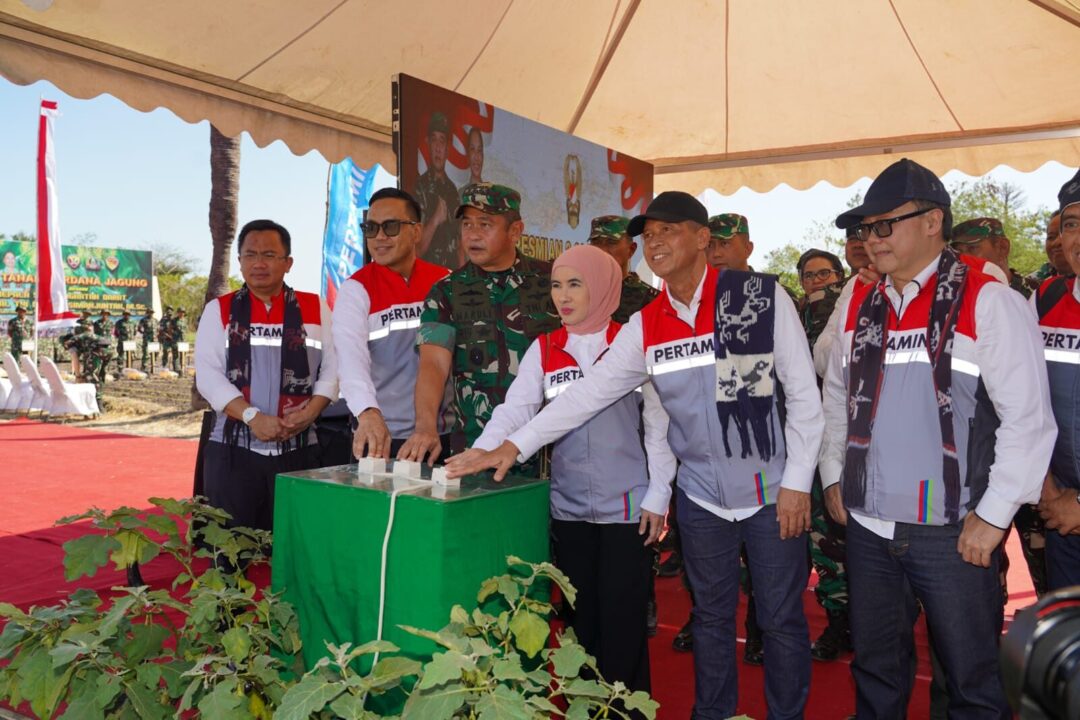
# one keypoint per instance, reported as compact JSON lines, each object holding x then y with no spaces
{"x":19,"y":329}
{"x":176,"y":336}
{"x":164,"y":335}
{"x":148,"y":327}
{"x":443,"y":249}
{"x":487,"y":320}
{"x":93,"y":353}
{"x":103,"y":328}
{"x":124,"y":333}
{"x":611,"y":229}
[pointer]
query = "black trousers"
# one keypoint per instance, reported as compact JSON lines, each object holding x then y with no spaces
{"x":241,"y":482}
{"x":610,"y":567}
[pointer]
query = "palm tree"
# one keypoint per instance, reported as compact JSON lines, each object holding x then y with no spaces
{"x":224,"y":196}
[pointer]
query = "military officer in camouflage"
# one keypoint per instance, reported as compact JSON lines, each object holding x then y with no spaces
{"x":84,"y":323}
{"x":176,"y":336}
{"x":478,"y":321}
{"x":18,"y":330}
{"x":92,"y":353}
{"x":608,"y":232}
{"x":148,"y":328}
{"x":164,"y":335}
{"x":730,"y":246}
{"x":124,"y":333}
{"x":439,"y":238}
{"x":104,"y":326}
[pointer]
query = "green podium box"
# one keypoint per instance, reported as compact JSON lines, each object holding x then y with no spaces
{"x":329,"y":526}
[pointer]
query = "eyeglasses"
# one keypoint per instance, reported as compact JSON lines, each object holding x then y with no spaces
{"x":391,"y":228}
{"x":883,"y":228}
{"x":264,"y":256}
{"x":818,"y":275}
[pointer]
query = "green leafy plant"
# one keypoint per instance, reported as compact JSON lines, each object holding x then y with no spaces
{"x":494,"y":663}
{"x":221,"y":648}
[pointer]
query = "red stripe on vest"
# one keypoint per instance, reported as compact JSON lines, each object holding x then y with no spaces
{"x":386,"y":288}
{"x":310,"y":309}
{"x":553,"y":355}
{"x":1066,"y":312}
{"x":661,"y":324}
{"x":917,"y":314}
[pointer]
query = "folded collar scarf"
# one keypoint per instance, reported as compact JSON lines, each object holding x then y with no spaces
{"x":868,"y":367}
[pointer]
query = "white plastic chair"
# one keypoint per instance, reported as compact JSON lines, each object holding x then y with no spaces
{"x":41,"y":396}
{"x":18,"y":399}
{"x":5,"y":390}
{"x":68,"y":398}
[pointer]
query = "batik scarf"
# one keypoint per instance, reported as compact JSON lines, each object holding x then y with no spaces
{"x":867,"y":369}
{"x":743,"y":344}
{"x":297,"y":379}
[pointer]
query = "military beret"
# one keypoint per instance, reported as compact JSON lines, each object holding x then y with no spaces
{"x":728,"y":224}
{"x":489,"y":198}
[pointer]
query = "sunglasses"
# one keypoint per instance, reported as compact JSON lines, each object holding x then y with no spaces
{"x":391,"y":228}
{"x":883,"y":228}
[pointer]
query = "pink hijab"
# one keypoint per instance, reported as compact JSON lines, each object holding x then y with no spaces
{"x":602,"y":277}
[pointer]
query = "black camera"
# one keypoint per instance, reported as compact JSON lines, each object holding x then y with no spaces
{"x":1040,"y":658}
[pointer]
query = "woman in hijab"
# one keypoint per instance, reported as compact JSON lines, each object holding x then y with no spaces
{"x":607,"y":503}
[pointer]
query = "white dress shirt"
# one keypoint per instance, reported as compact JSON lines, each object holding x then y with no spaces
{"x":1008,"y":340}
{"x":351,"y":311}
{"x":624,"y":369}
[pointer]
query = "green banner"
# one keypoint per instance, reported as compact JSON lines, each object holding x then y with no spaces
{"x":97,"y":278}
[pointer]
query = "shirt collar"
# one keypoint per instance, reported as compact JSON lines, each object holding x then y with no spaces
{"x":919,"y":281}
{"x":695,"y":300}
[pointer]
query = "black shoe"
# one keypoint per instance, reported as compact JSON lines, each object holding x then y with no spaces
{"x":650,"y":619}
{"x":670,"y":567}
{"x":834,"y":641}
{"x":754,"y":652}
{"x":684,"y":640}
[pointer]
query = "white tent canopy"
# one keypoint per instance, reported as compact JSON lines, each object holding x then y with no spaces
{"x":721,"y":94}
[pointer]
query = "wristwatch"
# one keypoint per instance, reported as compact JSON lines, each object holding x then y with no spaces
{"x":249,"y":415}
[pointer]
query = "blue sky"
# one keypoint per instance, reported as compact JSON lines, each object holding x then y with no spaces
{"x":141,"y":179}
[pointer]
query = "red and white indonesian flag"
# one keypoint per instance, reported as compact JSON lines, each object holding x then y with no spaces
{"x":52,"y":303}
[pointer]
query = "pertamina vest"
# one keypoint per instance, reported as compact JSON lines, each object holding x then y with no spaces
{"x":598,"y":471}
{"x":682,"y":363}
{"x":393,"y":318}
{"x":904,"y":464}
{"x":1060,"y":328}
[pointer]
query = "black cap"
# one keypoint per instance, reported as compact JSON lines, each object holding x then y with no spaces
{"x":901,"y":182}
{"x":670,"y":206}
{"x":1070,"y":192}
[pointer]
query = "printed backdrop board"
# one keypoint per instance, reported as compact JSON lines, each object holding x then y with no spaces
{"x":97,"y":278}
{"x":445,"y":140}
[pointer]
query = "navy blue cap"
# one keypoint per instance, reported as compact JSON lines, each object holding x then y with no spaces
{"x":1070,"y":192}
{"x":901,"y":182}
{"x":670,"y":206}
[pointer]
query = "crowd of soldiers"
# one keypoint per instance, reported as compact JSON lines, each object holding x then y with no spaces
{"x":425,"y":354}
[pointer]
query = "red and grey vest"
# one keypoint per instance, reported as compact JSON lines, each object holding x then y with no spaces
{"x":1060,"y":326}
{"x":598,"y":471}
{"x":904,"y":465}
{"x":681,"y":361}
{"x":393,"y":318}
{"x":266,"y":332}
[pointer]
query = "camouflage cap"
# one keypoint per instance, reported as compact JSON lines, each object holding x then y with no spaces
{"x":490,"y":198}
{"x":727,"y":225}
{"x":106,"y":312}
{"x":87,"y":313}
{"x":126,"y":312}
{"x":20,"y":309}
{"x":976,"y":230}
{"x":168,"y":309}
{"x":608,"y":227}
{"x":438,"y":123}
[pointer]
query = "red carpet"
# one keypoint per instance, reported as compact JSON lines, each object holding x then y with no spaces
{"x":53,"y":470}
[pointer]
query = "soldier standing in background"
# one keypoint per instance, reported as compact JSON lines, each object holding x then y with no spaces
{"x":124,"y":333}
{"x":104,"y":326}
{"x":176,"y":336}
{"x":148,"y":327}
{"x":164,"y":335}
{"x":608,"y":232}
{"x":478,"y":322}
{"x":439,"y":239}
{"x":19,"y":328}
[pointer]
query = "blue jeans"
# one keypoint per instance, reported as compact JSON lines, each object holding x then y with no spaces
{"x":780,"y":569}
{"x":963,"y":611}
{"x":1062,"y":560}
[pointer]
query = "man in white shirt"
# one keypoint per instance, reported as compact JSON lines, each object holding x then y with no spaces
{"x":375,"y":321}
{"x":744,"y":475}
{"x":938,"y":426}
{"x":264,"y":360}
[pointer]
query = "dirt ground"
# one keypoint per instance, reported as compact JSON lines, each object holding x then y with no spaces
{"x":156,"y":407}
